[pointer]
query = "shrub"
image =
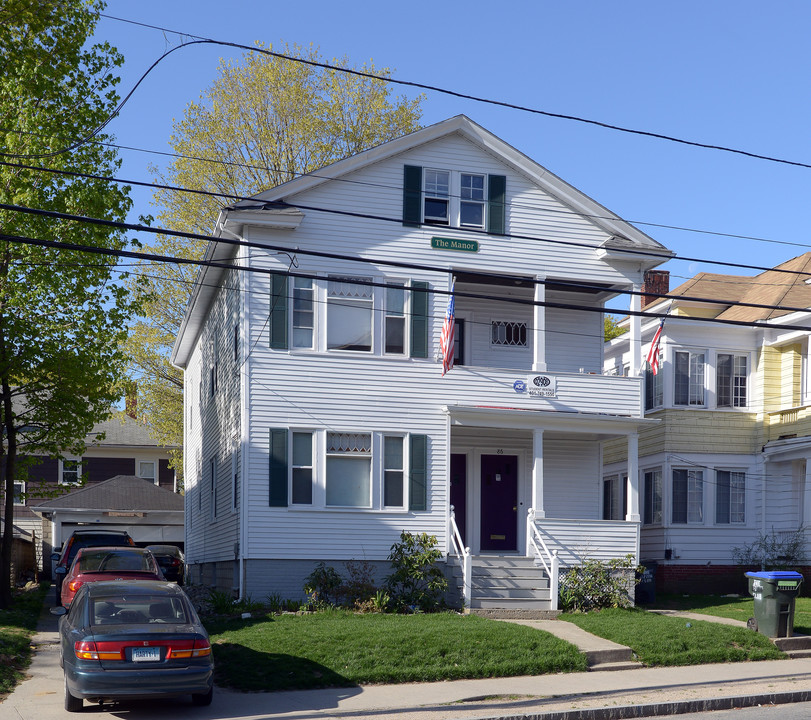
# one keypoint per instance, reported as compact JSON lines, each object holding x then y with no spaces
{"x":358,"y":587}
{"x":773,"y":551}
{"x":596,"y":584}
{"x":323,"y":586}
{"x":416,"y":582}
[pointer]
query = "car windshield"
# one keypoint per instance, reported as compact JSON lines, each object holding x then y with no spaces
{"x":138,"y":610}
{"x":112,"y":561}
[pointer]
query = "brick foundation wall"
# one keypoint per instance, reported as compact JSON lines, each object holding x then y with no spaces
{"x":713,"y":579}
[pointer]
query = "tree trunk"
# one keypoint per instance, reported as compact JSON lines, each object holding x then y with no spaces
{"x":9,"y":474}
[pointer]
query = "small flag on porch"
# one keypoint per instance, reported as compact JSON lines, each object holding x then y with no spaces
{"x":446,"y":338}
{"x":653,"y":353}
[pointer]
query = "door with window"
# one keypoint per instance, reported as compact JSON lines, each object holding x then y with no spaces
{"x":499,"y":503}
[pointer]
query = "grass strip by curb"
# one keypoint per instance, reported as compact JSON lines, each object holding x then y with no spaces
{"x":662,"y":641}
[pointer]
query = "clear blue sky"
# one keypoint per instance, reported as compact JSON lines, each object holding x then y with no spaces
{"x":731,"y":73}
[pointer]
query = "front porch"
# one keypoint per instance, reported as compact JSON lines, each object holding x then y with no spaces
{"x":526,"y":502}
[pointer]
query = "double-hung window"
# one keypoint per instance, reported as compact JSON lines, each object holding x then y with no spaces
{"x":303,"y":313}
{"x":615,"y":497}
{"x":146,"y":470}
{"x":652,"y":488}
{"x":349,"y":469}
{"x":302,"y":468}
{"x":394,"y":330}
{"x":688,"y":496}
{"x":70,"y":472}
{"x":730,"y":380}
{"x":471,"y":203}
{"x":349,"y":314}
{"x":437,"y":197}
{"x":654,"y":387}
{"x":393,"y":471}
{"x":730,"y":497}
{"x":689,"y":378}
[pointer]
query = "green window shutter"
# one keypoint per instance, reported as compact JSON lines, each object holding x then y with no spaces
{"x":277,"y":326}
{"x":418,"y":476}
{"x":412,"y":195}
{"x":496,"y":204}
{"x":419,"y":320}
{"x":278,"y":468}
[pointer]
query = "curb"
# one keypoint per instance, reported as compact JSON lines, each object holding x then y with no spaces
{"x":678,"y":707}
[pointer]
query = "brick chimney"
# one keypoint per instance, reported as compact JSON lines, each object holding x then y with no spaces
{"x":656,"y":281}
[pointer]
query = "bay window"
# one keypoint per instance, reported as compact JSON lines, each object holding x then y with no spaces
{"x":730,"y":497}
{"x":730,"y":380}
{"x":688,"y":496}
{"x":652,"y":498}
{"x":689,"y":378}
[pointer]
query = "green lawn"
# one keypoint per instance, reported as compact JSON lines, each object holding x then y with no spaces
{"x":339,"y":648}
{"x":738,"y":608}
{"x":17,"y":626}
{"x":659,"y":640}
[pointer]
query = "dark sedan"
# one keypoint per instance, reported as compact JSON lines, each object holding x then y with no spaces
{"x":133,"y":640}
{"x":171,"y":560}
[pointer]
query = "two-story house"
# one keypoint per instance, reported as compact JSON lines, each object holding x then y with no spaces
{"x":729,"y":462}
{"x":318,"y":421}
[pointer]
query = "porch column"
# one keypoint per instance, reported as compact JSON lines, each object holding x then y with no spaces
{"x":539,"y":323}
{"x":537,"y":473}
{"x":636,"y":333}
{"x":633,"y":479}
{"x":806,"y":518}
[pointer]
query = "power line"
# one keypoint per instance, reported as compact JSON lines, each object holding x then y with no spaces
{"x":444,"y":91}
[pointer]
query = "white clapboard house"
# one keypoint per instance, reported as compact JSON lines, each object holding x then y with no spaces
{"x":318,"y":421}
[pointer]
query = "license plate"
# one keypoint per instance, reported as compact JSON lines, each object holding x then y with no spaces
{"x":147,"y":654}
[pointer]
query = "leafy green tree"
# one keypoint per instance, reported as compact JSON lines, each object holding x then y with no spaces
{"x":612,"y":328}
{"x":265,"y":120}
{"x":62,"y":314}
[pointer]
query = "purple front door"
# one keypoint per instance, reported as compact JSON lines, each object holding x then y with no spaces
{"x":499,"y":516}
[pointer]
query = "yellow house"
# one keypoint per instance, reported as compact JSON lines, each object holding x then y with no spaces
{"x":725,"y":477}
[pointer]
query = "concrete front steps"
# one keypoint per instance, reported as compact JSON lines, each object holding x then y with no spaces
{"x":508,"y":583}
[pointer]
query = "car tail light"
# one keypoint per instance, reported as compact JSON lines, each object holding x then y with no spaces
{"x":88,"y":650}
{"x":174,"y":562}
{"x":189,"y":649}
{"x":74,"y":585}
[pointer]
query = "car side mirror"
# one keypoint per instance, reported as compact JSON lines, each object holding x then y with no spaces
{"x":55,"y":555}
{"x":59,"y":610}
{"x":61,"y":570}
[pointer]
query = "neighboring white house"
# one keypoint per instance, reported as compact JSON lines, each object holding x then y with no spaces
{"x":318,"y":424}
{"x":730,"y":460}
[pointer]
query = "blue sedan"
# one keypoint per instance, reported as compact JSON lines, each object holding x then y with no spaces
{"x":133,"y":640}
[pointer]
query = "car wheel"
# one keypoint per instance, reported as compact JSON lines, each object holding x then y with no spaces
{"x":72,"y":704}
{"x":203,"y":699}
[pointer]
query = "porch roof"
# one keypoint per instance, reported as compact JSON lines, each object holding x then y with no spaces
{"x":523,"y":419}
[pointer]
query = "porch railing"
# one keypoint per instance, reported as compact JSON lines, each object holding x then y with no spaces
{"x":537,"y":548}
{"x":463,"y":553}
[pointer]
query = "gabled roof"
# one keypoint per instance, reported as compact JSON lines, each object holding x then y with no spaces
{"x":121,"y":430}
{"x":119,"y":493}
{"x":268,"y":209}
{"x":772,"y":287}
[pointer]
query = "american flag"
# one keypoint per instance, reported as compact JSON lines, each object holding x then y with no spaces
{"x":653,"y":353}
{"x":446,"y":338}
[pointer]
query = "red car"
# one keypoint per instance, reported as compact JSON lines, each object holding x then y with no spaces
{"x":108,"y":563}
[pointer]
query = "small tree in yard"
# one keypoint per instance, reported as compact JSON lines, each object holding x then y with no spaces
{"x":416,"y":581}
{"x":62,"y":318}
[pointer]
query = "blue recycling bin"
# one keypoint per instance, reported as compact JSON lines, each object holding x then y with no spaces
{"x":775,"y":592}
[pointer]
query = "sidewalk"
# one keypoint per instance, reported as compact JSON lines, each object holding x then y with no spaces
{"x":593,"y":695}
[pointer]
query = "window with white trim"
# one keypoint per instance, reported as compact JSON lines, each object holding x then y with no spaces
{"x":349,"y":469}
{"x":652,"y":497}
{"x":730,"y":380}
{"x":730,"y":497}
{"x":615,"y":497}
{"x":688,"y":496}
{"x":436,"y":197}
{"x":302,"y":468}
{"x":19,"y":493}
{"x":146,"y":470}
{"x":471,"y":203}
{"x":393,"y":471}
{"x":394,"y":320}
{"x":349,"y":314}
{"x":303,"y":313}
{"x":70,"y":472}
{"x":688,"y":378}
